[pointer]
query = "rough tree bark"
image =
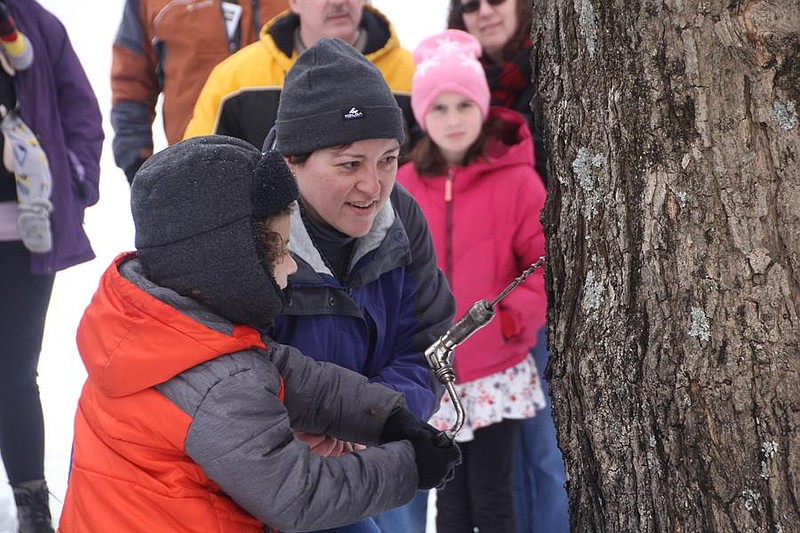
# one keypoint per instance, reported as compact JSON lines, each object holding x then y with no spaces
{"x":673,"y":225}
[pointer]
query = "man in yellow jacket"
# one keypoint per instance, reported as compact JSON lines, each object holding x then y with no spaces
{"x":240,"y":97}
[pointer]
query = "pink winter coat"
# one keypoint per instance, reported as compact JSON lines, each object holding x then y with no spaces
{"x":485,"y":236}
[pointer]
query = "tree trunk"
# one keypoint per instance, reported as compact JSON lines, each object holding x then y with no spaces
{"x":673,"y":224}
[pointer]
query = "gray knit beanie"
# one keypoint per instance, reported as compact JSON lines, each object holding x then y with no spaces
{"x":332,"y":96}
{"x":195,"y":207}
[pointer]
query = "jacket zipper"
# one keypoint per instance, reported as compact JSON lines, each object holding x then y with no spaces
{"x":256,"y":14}
{"x":448,"y":200}
{"x":233,"y":44}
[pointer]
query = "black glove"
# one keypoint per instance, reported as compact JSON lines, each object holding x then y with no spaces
{"x":403,"y":424}
{"x":436,"y":461}
{"x":7,"y":26}
{"x":436,"y":456}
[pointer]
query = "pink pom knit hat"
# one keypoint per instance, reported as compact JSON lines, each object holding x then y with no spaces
{"x":448,"y":62}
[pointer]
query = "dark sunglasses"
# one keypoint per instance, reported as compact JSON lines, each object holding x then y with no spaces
{"x":473,"y":5}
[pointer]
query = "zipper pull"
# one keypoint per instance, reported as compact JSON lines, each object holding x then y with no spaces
{"x":448,"y":187}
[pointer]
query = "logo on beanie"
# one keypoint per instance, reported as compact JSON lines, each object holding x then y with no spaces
{"x":353,"y":114}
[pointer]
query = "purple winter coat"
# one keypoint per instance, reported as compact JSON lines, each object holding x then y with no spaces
{"x":58,"y":104}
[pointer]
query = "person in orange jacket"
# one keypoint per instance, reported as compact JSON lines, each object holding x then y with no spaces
{"x":185,"y":422}
{"x":169,"y":47}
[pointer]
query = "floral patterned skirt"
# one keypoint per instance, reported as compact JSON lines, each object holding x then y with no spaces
{"x":512,"y":393}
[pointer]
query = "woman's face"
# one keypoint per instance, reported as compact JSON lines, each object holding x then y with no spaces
{"x":347,"y":187}
{"x":493,"y":26}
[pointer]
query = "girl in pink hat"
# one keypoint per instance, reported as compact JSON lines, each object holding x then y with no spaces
{"x":473,"y":176}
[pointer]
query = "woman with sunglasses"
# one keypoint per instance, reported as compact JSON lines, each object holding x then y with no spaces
{"x":503,"y":29}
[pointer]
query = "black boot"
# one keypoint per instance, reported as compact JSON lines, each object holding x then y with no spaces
{"x":33,"y":507}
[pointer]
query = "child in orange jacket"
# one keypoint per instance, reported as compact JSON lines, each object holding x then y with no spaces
{"x":185,"y":421}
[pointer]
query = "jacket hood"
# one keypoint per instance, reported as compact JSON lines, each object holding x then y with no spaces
{"x":514,"y":145}
{"x":135,"y":334}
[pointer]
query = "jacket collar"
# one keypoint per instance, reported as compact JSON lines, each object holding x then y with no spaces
{"x":386,"y":223}
{"x":381,"y":37}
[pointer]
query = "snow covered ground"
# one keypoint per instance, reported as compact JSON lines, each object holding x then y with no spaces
{"x":92,"y":25}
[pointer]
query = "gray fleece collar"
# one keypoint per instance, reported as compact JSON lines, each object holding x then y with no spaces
{"x":300,"y":242}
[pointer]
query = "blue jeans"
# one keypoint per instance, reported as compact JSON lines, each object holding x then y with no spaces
{"x":365,"y":526}
{"x":409,"y":518}
{"x":540,"y":499}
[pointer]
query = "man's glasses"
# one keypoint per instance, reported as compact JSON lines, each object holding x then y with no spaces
{"x":474,"y":5}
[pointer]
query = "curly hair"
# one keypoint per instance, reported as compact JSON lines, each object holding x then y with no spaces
{"x":271,"y":240}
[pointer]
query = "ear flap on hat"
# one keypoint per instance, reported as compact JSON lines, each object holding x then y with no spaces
{"x":274,"y":187}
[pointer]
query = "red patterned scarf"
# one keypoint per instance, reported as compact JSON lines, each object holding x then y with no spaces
{"x":508,"y":79}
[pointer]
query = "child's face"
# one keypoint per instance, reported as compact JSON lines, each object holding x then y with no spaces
{"x":285,"y":265}
{"x":453,"y":122}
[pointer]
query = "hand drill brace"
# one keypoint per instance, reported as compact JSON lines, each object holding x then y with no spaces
{"x":440,"y":354}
